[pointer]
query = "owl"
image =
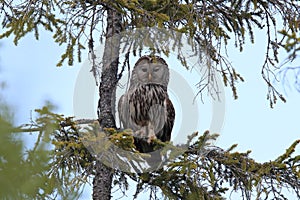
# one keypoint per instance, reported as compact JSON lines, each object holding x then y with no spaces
{"x":145,"y":107}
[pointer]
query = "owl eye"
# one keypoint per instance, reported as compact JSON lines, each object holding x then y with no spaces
{"x":144,"y":69}
{"x":156,"y":69}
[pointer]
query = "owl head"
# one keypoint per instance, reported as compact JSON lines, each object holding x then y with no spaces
{"x":150,"y":69}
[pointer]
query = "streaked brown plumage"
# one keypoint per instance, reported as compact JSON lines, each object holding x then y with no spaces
{"x":146,"y":107}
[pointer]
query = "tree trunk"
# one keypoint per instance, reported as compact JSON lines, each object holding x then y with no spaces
{"x":106,"y":106}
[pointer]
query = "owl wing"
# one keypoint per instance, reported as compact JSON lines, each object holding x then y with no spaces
{"x":165,"y":134}
{"x":124,"y":113}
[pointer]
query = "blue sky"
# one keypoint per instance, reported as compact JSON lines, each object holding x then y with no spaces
{"x":32,"y":77}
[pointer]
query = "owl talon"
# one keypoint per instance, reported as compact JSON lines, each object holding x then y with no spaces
{"x":151,"y":138}
{"x":140,"y":133}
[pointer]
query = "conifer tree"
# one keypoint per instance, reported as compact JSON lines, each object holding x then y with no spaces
{"x":200,"y":172}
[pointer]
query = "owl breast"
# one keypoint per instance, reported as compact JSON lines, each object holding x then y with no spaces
{"x":144,"y":110}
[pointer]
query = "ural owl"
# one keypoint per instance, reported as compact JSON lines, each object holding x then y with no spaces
{"x":146,"y":107}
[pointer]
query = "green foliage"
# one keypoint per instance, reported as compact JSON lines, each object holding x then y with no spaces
{"x":210,"y":24}
{"x":25,"y":17}
{"x":202,"y":171}
{"x":22,"y":177}
{"x":65,"y":178}
{"x":209,"y":174}
{"x":292,"y":42}
{"x":122,"y":140}
{"x":38,"y":172}
{"x":23,"y":174}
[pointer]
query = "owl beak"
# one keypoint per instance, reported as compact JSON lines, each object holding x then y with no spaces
{"x":150,"y":77}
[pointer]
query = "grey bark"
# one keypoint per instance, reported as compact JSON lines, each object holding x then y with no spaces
{"x":102,"y":182}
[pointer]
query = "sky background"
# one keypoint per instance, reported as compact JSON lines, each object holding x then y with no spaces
{"x":32,"y":78}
